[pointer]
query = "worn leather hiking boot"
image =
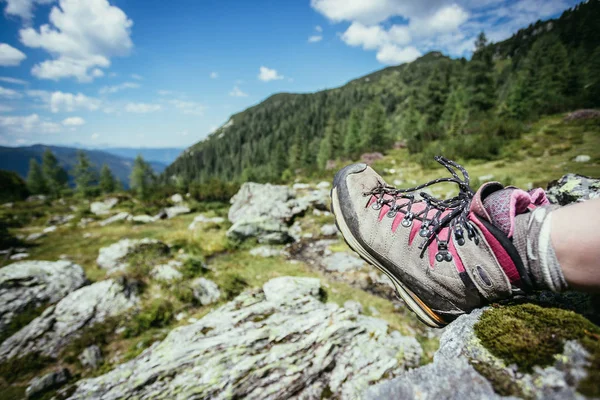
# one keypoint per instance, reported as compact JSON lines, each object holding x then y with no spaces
{"x":445,"y":257}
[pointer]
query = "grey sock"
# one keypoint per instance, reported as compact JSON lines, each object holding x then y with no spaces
{"x":532,"y":240}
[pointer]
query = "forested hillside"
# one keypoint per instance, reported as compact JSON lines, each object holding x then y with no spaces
{"x":467,"y":109}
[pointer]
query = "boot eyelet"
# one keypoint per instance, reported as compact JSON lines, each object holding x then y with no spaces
{"x":439,"y":257}
{"x":392,"y":213}
{"x":406,"y":222}
{"x":376,"y":206}
{"x":424,"y":232}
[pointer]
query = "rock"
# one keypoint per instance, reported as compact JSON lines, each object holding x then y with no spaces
{"x":49,"y":229}
{"x":177,"y":198}
{"x":36,"y":198}
{"x":142,"y":219}
{"x":28,"y":285}
{"x":370,"y":158}
{"x":202,"y":219}
{"x":114,"y":257}
{"x":486,"y":178}
{"x":323,"y":185}
{"x":329,"y":230}
{"x":456,"y":378}
{"x":582,"y":115}
{"x":35,"y":236}
{"x":353,"y":306}
{"x":264,"y":229}
{"x":103,"y":207}
{"x":115,"y":218}
{"x":60,"y":219}
{"x":19,"y":256}
{"x":8,"y":205}
{"x":58,"y":325}
{"x":51,"y":381}
{"x":205,"y":291}
{"x":167,"y":272}
{"x":83,"y":222}
{"x":265,"y":201}
{"x":342,"y":262}
{"x":177,"y":210}
{"x":573,"y":188}
{"x":162,"y":214}
{"x":91,"y":357}
{"x":265,"y":251}
{"x":281,"y":342}
{"x":582,"y":158}
{"x":300,"y":186}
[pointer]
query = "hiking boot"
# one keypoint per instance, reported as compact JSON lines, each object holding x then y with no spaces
{"x":444,"y":257}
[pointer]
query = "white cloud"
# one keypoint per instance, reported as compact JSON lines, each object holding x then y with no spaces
{"x":9,"y":56}
{"x":164,"y":92}
{"x":371,"y":11}
{"x":318,"y":28}
{"x":23,"y":8}
{"x":214,"y":75}
{"x":9,"y":93}
{"x":136,"y":77}
{"x":95,"y":136}
{"x":73,"y":121}
{"x":446,"y":19}
{"x":188,"y":107}
{"x":81,"y":37}
{"x":142,"y":108}
{"x":4,"y":108}
{"x":13,"y":80}
{"x":268,"y":74}
{"x":70,"y":102}
{"x":391,"y":54}
{"x":315,"y":38}
{"x":118,"y":88}
{"x":28,"y":124}
{"x":237,"y":92}
{"x":369,"y":37}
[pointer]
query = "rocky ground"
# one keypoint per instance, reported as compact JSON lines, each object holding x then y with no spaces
{"x":259,"y":299}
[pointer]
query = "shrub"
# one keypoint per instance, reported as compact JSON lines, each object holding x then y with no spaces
{"x":13,"y":187}
{"x":232,"y":285}
{"x":156,"y":315}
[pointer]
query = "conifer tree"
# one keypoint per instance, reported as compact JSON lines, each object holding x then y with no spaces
{"x":108,"y":183}
{"x":456,"y":112}
{"x":352,"y":142}
{"x":480,"y":76}
{"x":85,"y":176}
{"x":55,"y":176}
{"x":331,"y":144}
{"x":412,"y":126}
{"x":142,"y":177}
{"x":436,"y":93}
{"x":374,"y":133}
{"x":36,"y":183}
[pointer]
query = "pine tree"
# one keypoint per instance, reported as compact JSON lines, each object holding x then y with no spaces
{"x":480,"y":76}
{"x":107,"y":180}
{"x":331,"y":145}
{"x":36,"y":183}
{"x":456,"y":112}
{"x":142,"y":177}
{"x":412,"y":126}
{"x":55,"y":176}
{"x":85,"y":176}
{"x":436,"y":93}
{"x":374,"y":133}
{"x":352,"y":142}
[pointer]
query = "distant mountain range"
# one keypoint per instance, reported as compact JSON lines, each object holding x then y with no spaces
{"x":161,"y":155}
{"x":17,"y":159}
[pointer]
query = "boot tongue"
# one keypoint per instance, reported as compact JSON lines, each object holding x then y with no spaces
{"x":500,"y":206}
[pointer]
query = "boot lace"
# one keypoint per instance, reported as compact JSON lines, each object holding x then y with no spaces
{"x":457,"y":219}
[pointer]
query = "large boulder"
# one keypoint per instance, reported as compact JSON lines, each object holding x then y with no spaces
{"x":264,"y":229}
{"x":28,"y":285}
{"x":573,"y":188}
{"x":103,"y":207}
{"x":464,"y":367}
{"x":58,"y":325}
{"x":279,"y":342}
{"x":122,"y":216}
{"x":114,"y":257}
{"x":42,"y":384}
{"x":256,"y":200}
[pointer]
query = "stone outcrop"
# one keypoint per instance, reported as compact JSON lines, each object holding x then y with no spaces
{"x":573,"y":188}
{"x":103,"y":207}
{"x":27,"y":285}
{"x":58,"y":325}
{"x":50,"y":381}
{"x":455,"y":366}
{"x":278,"y":342}
{"x":205,"y":291}
{"x":114,"y":257}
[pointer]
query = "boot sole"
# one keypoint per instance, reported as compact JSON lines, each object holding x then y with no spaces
{"x":414,"y":303}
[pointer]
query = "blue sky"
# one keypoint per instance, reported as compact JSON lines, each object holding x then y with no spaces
{"x":149,"y":73}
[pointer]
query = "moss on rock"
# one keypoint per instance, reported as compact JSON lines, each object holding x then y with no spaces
{"x":528,"y":335}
